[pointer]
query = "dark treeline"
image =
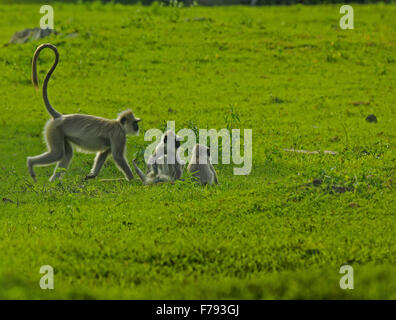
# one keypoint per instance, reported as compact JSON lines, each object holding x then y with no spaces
{"x":209,"y":2}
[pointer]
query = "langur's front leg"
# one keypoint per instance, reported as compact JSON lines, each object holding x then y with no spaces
{"x":100,"y":159}
{"x":123,"y":165}
{"x":118,"y":152}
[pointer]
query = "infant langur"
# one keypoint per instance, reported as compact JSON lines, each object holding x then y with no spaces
{"x":201,"y":167}
{"x":88,"y":133}
{"x":164,"y":165}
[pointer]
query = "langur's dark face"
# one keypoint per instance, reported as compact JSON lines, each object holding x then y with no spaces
{"x":130,"y":124}
{"x":177,"y":143}
{"x":135,"y":124}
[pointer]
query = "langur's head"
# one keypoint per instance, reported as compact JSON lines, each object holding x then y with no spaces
{"x":172,"y":140}
{"x":129,"y":123}
{"x":200,"y":154}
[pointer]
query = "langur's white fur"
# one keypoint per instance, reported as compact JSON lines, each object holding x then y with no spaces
{"x":201,"y":167}
{"x":170,"y":142}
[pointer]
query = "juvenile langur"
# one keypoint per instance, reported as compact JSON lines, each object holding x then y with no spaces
{"x":88,"y":133}
{"x":200,"y":165}
{"x":164,"y":165}
{"x":169,"y":144}
{"x":160,"y":172}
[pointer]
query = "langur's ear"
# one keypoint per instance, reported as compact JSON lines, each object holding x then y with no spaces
{"x":165,"y":138}
{"x":208,"y":152}
{"x":123,"y":120}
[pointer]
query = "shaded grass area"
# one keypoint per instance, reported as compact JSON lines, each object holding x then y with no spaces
{"x":288,"y":73}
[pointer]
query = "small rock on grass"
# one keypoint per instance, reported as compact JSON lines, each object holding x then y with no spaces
{"x":27,"y":35}
{"x":371,"y":118}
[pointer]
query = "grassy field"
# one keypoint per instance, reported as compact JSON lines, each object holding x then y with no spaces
{"x":289,"y":73}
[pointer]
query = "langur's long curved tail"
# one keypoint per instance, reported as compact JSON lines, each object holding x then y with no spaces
{"x":139,"y":172}
{"x":55,"y":114}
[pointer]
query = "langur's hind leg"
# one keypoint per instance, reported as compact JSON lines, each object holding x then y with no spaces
{"x":56,"y":150}
{"x":64,"y":163}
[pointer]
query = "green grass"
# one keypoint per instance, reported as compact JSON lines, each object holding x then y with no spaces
{"x":289,"y":73}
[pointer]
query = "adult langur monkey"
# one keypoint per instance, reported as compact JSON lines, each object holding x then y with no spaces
{"x":88,"y":133}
